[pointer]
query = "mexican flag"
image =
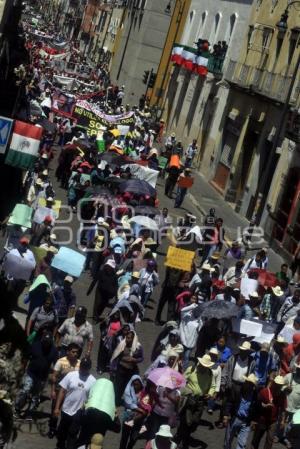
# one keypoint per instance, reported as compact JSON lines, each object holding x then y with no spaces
{"x":189,"y":55}
{"x":24,"y":146}
{"x":201,"y":65}
{"x":177,"y":54}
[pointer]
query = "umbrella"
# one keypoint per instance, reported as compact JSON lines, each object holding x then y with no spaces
{"x":146,"y":222}
{"x":47,"y":125}
{"x":114,"y":159}
{"x":219,"y":309}
{"x":138,"y":186}
{"x":146,"y":210}
{"x":265,"y":278}
{"x":167,"y":378}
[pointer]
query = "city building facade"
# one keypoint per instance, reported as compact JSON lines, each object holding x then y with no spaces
{"x":144,"y":30}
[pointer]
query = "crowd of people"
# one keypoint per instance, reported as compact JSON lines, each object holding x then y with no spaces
{"x":230,"y":346}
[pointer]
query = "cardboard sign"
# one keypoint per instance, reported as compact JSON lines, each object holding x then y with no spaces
{"x":247,"y":327}
{"x":248,"y":286}
{"x":69,"y":261}
{"x":179,"y":258}
{"x":185,"y":182}
{"x":21,"y":215}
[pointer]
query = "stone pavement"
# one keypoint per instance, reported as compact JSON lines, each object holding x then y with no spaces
{"x":203,"y":197}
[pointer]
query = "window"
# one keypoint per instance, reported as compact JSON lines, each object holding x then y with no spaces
{"x":215,"y":29}
{"x":293,"y":43}
{"x":230,"y":27}
{"x":200,"y":32}
{"x":266,"y":38}
{"x":188,"y":29}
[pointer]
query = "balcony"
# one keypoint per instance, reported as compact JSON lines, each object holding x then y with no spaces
{"x":263,"y":82}
{"x":215,"y":65}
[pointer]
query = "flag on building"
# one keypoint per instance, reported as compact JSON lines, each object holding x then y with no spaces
{"x":177,"y":54}
{"x":201,"y":65}
{"x":189,"y":58}
{"x":189,"y":55}
{"x":24,"y":146}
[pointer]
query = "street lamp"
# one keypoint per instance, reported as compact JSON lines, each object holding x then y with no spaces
{"x":271,"y":165}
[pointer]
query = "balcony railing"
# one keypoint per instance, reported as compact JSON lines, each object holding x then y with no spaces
{"x":215,"y":65}
{"x":271,"y":85}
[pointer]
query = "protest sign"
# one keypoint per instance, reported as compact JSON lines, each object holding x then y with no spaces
{"x":248,"y":286}
{"x":179,"y":258}
{"x":56,"y":206}
{"x":5,"y":132}
{"x":18,"y":267}
{"x":247,"y":327}
{"x":21,"y":215}
{"x":62,"y":103}
{"x":42,"y":212}
{"x":69,"y":261}
{"x":185,"y":182}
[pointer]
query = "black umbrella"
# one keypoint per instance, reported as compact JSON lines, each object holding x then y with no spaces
{"x":47,"y":125}
{"x":146,"y":210}
{"x":138,"y":187}
{"x":113,"y":158}
{"x":219,"y":310}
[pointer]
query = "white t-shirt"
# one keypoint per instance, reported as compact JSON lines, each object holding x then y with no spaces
{"x":77,"y":391}
{"x":240,"y":370}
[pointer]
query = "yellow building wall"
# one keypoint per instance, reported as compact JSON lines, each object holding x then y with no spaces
{"x":176,"y":29}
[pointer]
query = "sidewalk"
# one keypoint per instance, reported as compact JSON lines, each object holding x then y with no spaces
{"x":204,"y":197}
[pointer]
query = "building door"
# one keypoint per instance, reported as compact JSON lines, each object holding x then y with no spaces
{"x":287,"y":228}
{"x":230,"y":140}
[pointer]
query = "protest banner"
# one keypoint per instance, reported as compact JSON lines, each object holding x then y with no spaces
{"x":178,"y":258}
{"x":69,"y":261}
{"x":21,"y":215}
{"x":91,"y":118}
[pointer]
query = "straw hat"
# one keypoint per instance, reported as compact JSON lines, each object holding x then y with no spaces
{"x":39,"y":182}
{"x":164,"y":431}
{"x":97,"y":441}
{"x":265,"y":347}
{"x":52,"y":250}
{"x":216,"y":256}
{"x":213,"y":351}
{"x":245,"y":346}
{"x":69,"y":279}
{"x":277,"y":291}
{"x":279,"y":380}
{"x":206,"y":361}
{"x":280,"y":339}
{"x":207,"y":267}
{"x":136,"y":275}
{"x":253,"y":295}
{"x":251,"y":378}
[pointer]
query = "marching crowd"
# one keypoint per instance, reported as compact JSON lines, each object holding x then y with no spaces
{"x":200,"y":359}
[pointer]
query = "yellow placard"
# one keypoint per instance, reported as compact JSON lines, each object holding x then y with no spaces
{"x":56,"y":205}
{"x":181,"y":259}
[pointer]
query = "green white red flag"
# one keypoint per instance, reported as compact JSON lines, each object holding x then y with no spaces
{"x":189,"y":58}
{"x":24,"y":146}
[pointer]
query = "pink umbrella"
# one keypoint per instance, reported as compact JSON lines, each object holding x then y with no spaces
{"x":167,"y":377}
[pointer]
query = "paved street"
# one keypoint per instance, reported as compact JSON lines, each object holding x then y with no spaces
{"x":32,"y":435}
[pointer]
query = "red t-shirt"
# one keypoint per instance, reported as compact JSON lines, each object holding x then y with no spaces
{"x":269,"y":414}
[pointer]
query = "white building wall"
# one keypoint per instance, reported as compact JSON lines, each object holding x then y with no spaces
{"x":216,"y":20}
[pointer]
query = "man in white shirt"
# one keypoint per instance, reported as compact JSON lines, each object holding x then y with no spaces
{"x":74,"y":391}
{"x":190,"y":153}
